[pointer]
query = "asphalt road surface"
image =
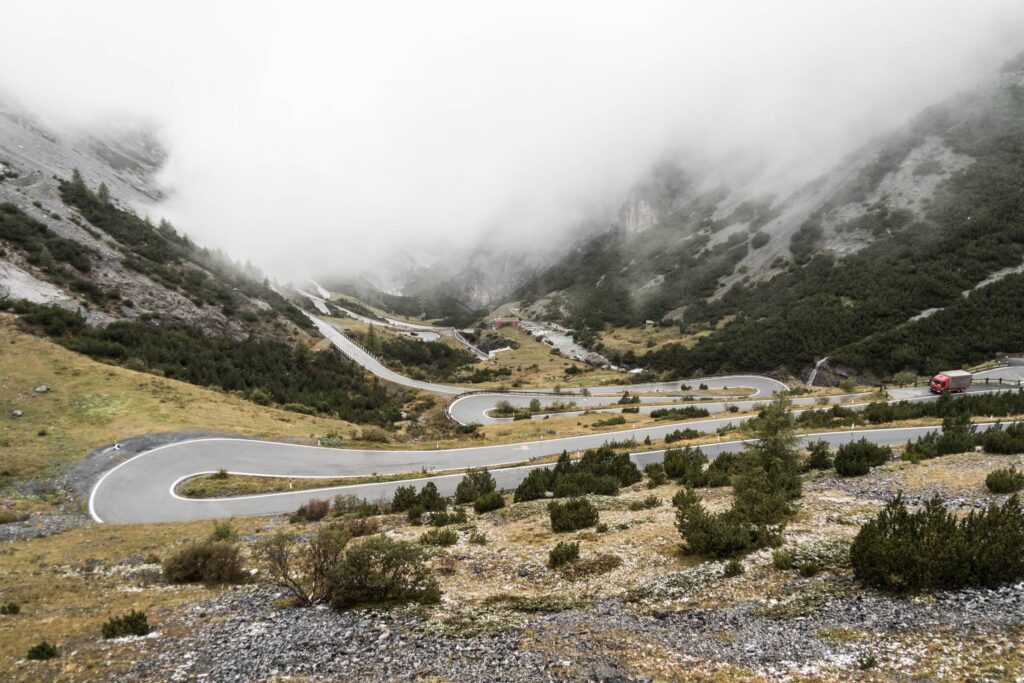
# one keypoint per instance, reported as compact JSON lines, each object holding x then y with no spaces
{"x":141,"y":489}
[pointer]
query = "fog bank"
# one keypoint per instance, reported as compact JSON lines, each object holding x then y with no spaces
{"x":317,"y":136}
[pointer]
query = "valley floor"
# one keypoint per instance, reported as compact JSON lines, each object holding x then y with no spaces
{"x":633,"y":607}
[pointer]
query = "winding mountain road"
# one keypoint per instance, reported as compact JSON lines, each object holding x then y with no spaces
{"x":142,"y":488}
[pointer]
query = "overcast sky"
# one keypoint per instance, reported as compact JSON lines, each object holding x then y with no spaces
{"x":306,"y":134}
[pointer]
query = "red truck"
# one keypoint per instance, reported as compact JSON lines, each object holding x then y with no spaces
{"x":950,"y":380}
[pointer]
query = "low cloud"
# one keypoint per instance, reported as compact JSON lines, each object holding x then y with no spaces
{"x":315,"y":136}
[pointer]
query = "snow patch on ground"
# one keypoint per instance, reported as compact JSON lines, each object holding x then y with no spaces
{"x":924,"y":314}
{"x":16,"y":283}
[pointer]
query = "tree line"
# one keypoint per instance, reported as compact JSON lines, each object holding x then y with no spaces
{"x":265,"y":371}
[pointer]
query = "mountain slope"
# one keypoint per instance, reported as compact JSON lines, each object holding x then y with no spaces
{"x":908,"y":225}
{"x":81,"y":267}
{"x":71,"y":237}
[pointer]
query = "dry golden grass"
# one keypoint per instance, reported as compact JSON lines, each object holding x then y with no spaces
{"x":93,"y":404}
{"x":964,"y":473}
{"x":640,"y":340}
{"x":533,"y":365}
{"x":69,"y":584}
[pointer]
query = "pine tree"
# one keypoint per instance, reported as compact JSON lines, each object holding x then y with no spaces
{"x":770,"y":476}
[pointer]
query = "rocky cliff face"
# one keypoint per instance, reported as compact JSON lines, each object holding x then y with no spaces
{"x":637,"y":215}
{"x":34,"y":159}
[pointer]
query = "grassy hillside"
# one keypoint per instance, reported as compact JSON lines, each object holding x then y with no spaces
{"x":264,"y":371}
{"x":68,"y":585}
{"x":93,"y":403}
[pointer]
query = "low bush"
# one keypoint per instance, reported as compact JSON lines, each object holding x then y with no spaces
{"x":10,"y":608}
{"x":439,"y":537}
{"x":209,"y":562}
{"x":867,"y":661}
{"x":573,"y":514}
{"x":303,"y":570}
{"x":311,"y":511}
{"x":404,"y":498}
{"x":349,"y":505}
{"x":721,"y":470}
{"x":686,"y":465}
{"x":131,"y":624}
{"x":601,"y":528}
{"x":444,"y":518}
{"x":579,"y":483}
{"x":655,"y":475}
{"x":474,"y":484}
{"x":682,"y":412}
{"x":819,"y":456}
{"x":488,"y":501}
{"x":605,"y":461}
{"x":373,"y":434}
{"x":1004,"y":440}
{"x":593,"y":565}
{"x":732,"y":568}
{"x":563,"y":553}
{"x":478,"y":538}
{"x":858,"y":457}
{"x":809,"y":568}
{"x":431,"y":499}
{"x":724,"y":534}
{"x":957,"y":436}
{"x":600,"y":471}
{"x":681,"y":435}
{"x":932,"y":548}
{"x":360,"y":526}
{"x":650,"y":502}
{"x":42,"y":651}
{"x":534,"y":486}
{"x":381,"y":570}
{"x":1005,"y":480}
{"x":415,"y":514}
{"x":223,"y":530}
{"x":783,"y":559}
{"x":605,"y":485}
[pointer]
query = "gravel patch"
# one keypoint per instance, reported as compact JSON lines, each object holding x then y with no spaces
{"x":243,"y":637}
{"x":41,"y":525}
{"x":246,"y":638}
